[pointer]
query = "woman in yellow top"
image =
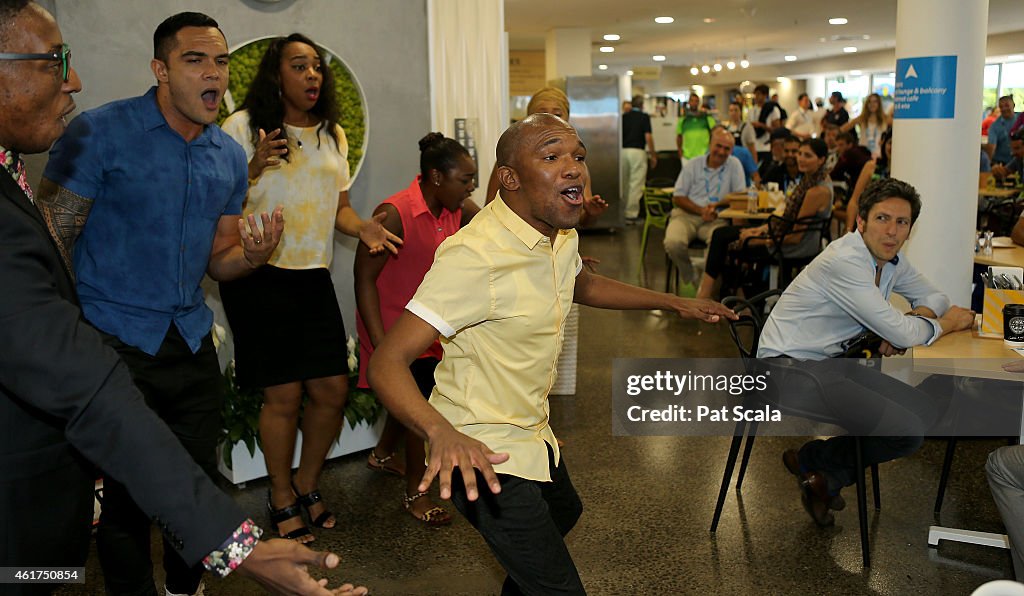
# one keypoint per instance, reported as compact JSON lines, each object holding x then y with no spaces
{"x":287,"y":325}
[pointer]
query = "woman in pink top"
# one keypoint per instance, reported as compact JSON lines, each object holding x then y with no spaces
{"x":432,"y":208}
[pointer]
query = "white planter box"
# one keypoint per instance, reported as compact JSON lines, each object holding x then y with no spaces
{"x":245,"y":467}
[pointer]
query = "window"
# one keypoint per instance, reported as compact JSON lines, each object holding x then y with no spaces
{"x":990,"y":94}
{"x":1013,"y":82}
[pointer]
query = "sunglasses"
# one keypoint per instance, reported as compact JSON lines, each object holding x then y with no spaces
{"x":63,"y":56}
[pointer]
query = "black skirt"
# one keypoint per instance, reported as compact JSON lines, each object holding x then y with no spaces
{"x":287,"y":326}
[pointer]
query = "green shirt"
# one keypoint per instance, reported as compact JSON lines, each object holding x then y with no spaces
{"x":696,"y":133}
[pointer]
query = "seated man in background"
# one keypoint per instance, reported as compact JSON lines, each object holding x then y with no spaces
{"x":750,"y":175}
{"x":776,"y":140}
{"x":786,"y":174}
{"x":1012,"y":167}
{"x":852,"y":157}
{"x":700,"y":187}
{"x":842,"y":293}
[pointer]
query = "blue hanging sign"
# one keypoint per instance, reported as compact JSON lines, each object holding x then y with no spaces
{"x":925,"y":87}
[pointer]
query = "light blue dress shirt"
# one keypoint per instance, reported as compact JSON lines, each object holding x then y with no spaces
{"x":704,"y":185}
{"x":835,"y":299}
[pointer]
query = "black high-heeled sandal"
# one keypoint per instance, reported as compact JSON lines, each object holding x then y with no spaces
{"x":310,"y":499}
{"x":284,"y":514}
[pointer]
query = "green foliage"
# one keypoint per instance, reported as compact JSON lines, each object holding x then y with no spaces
{"x":245,"y":61}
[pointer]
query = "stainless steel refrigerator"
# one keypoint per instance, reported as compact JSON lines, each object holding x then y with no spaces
{"x":595,"y":111}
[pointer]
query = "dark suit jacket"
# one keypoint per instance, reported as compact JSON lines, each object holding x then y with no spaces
{"x":63,"y":395}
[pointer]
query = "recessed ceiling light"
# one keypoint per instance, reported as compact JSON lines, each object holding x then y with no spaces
{"x":602,"y":67}
{"x":611,"y":37}
{"x":629,"y":72}
{"x":837,"y":21}
{"x":744,"y":63}
{"x":709,"y":20}
{"x":658,"y":58}
{"x":856,"y":73}
{"x":705,"y":69}
{"x":730,"y":65}
{"x":607,"y":49}
{"x":850,"y":49}
{"x":781,"y":79}
{"x":717,"y":67}
{"x":790,"y":58}
{"x":694,"y":70}
{"x":664,"y":20}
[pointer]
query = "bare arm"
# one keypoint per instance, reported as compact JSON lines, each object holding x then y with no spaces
{"x":492,"y":185}
{"x":687,"y":205}
{"x":240,"y":246}
{"x":469,"y":211}
{"x":602,"y":292}
{"x":65,"y":214}
{"x":367,"y":269}
{"x":1018,"y":232}
{"x":390,"y":377}
{"x":862,"y":181}
{"x":370,"y":231}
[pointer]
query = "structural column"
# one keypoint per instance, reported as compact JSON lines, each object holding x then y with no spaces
{"x":940,"y":61}
{"x":567,"y":54}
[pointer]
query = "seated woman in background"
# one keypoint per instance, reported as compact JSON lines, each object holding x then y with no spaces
{"x":811,"y":197}
{"x":875,"y":169}
{"x":432,"y":208}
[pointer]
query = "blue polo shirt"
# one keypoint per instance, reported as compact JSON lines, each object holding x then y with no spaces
{"x":999,"y":135}
{"x":156,"y":203}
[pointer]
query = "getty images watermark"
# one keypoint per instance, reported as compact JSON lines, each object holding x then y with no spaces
{"x":785,"y":397}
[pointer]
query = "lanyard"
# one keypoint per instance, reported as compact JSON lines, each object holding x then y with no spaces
{"x":713,"y":198}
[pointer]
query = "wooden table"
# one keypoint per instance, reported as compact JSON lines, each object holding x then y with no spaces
{"x":731,"y":213}
{"x":964,"y":354}
{"x":1002,"y":257}
{"x":999,"y":193}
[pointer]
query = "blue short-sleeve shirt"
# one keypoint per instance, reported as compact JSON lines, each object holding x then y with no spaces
{"x":157,"y":200}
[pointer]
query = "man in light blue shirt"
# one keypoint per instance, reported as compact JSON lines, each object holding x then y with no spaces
{"x":843,"y":293}
{"x":700,"y":189}
{"x":999,"y":131}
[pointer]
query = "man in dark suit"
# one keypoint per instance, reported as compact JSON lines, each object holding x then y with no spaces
{"x":66,"y":399}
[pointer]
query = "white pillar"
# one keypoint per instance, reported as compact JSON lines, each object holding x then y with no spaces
{"x":939,"y":156}
{"x":567,"y":54}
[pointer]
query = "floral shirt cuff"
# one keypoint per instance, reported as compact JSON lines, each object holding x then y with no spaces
{"x":234,"y":550}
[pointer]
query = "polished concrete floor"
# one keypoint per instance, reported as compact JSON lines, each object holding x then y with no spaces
{"x":649,"y":500}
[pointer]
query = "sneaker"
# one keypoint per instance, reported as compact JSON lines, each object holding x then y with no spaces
{"x":200,"y":591}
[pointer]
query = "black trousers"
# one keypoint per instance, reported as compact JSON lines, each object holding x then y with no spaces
{"x":187,"y":391}
{"x":889,"y":415}
{"x":525,"y":525}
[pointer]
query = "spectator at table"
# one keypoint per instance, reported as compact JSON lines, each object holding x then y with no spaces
{"x":852,"y":157}
{"x":1013,"y":165}
{"x":787,"y":173}
{"x":750,"y":175}
{"x":777,"y":157}
{"x":999,"y":131}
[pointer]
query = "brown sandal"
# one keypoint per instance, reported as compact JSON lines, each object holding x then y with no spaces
{"x":434,"y":517}
{"x":380,"y":464}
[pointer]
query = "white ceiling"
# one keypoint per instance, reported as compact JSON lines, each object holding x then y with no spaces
{"x":766,"y":30}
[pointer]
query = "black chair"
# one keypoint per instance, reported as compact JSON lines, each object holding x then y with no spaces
{"x":746,"y":333}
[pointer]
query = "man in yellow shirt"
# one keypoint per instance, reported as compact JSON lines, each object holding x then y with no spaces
{"x":499,"y":292}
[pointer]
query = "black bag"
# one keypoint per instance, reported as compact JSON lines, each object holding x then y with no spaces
{"x":865,"y":345}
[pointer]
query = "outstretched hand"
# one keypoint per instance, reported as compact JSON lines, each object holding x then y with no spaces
{"x":259,"y":243}
{"x":702,"y":310}
{"x":451,"y":449}
{"x":595,"y":206}
{"x":281,"y":567}
{"x":376,"y":237}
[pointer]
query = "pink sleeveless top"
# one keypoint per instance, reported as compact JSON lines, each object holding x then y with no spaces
{"x":401,"y":276}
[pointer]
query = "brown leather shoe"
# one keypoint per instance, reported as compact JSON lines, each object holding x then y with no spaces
{"x":813,"y":490}
{"x":815,"y":499}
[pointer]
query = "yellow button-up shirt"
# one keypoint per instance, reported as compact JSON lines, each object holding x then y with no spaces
{"x":499,"y":293}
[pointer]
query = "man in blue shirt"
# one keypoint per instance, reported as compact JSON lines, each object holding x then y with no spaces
{"x":843,"y":293}
{"x":999,"y":131}
{"x":146,"y":195}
